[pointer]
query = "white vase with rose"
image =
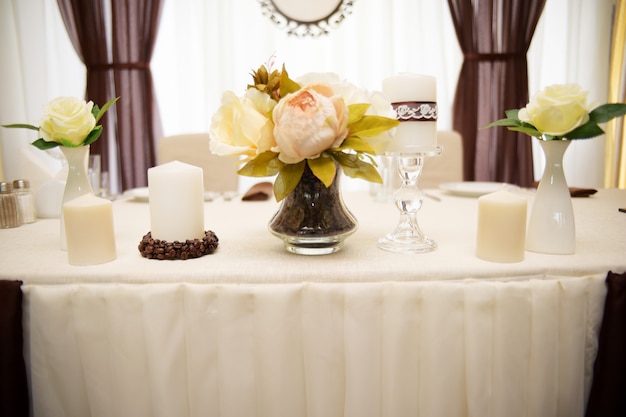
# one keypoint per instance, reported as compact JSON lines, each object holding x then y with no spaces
{"x":71,"y":124}
{"x":556,"y":116}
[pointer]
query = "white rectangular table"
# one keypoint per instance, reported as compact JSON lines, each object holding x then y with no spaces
{"x":253,"y":330}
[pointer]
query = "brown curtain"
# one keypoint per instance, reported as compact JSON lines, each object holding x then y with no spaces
{"x":136,"y":126}
{"x":14,"y":399}
{"x":84,"y":21}
{"x":494,"y":36}
{"x":606,"y":397}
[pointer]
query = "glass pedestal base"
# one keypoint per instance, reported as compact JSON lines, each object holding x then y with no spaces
{"x":313,"y":245}
{"x":407,"y":236}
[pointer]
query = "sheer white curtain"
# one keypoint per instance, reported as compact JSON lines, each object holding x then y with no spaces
{"x":38,"y":64}
{"x":206,"y":47}
{"x":572,"y":45}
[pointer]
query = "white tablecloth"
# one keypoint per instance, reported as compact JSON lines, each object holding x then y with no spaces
{"x":248,"y":253}
{"x":253,"y":330}
{"x":372,"y":349}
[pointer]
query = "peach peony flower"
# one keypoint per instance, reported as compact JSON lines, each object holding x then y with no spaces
{"x":308,"y":122}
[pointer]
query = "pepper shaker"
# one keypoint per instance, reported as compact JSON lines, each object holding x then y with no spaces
{"x":25,"y":200}
{"x":9,"y":210}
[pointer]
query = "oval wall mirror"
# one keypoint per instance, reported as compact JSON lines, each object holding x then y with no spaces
{"x":306,"y":17}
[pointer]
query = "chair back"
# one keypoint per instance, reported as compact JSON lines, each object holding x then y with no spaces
{"x":220,"y":172}
{"x":447,"y":167}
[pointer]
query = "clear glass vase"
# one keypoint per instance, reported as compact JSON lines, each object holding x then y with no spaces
{"x":551,"y":227}
{"x":313,"y":219}
{"x":77,"y":183}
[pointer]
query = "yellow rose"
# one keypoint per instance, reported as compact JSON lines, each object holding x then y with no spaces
{"x":557,"y":110}
{"x":241,"y":125}
{"x":68,"y":121}
{"x":308,"y":122}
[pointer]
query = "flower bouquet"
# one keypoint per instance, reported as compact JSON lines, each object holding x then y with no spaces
{"x":305,"y":132}
{"x":281,"y":126}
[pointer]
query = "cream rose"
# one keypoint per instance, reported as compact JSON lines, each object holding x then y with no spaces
{"x":557,"y":110}
{"x":241,"y":125}
{"x":68,"y":121}
{"x":308,"y":122}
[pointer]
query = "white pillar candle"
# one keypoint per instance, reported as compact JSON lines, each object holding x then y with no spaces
{"x":414,"y":97}
{"x":501,"y":227}
{"x":89,"y":230}
{"x":176,"y":195}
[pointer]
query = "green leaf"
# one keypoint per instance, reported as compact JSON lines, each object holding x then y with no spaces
{"x":607,"y":112}
{"x":99,"y":112}
{"x":263,"y":165}
{"x":287,"y":179}
{"x":323,"y":168}
{"x":512,"y":114}
{"x":508,"y":122}
{"x":370,"y":159}
{"x":93,"y":135}
{"x":357,"y":111}
{"x":22,"y":126}
{"x":67,"y":143}
{"x":587,"y":131}
{"x":354,"y":167}
{"x":371,"y":126}
{"x":527,"y":129}
{"x":287,"y":85}
{"x":43,"y":145}
{"x":356,"y":144}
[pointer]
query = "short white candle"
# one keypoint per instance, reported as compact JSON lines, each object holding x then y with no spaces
{"x":412,"y":135}
{"x":89,"y":230}
{"x":176,"y":195}
{"x":501,"y":227}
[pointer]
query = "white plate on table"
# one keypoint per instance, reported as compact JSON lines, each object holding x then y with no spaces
{"x":142,"y":194}
{"x":137,"y":194}
{"x":473,"y":188}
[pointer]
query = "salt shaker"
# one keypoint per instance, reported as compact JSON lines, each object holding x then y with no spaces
{"x":25,"y":200}
{"x":9,"y":210}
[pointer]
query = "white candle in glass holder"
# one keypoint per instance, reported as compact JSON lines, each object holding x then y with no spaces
{"x":176,"y":196}
{"x":89,"y":230}
{"x":414,"y":97}
{"x":501,"y":232}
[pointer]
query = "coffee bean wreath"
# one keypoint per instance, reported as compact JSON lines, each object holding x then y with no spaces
{"x":164,"y":250}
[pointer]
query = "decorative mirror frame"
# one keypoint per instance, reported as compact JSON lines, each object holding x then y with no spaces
{"x":301,"y":28}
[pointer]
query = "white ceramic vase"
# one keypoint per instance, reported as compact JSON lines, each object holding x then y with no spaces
{"x":551,"y":226}
{"x":77,"y":183}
